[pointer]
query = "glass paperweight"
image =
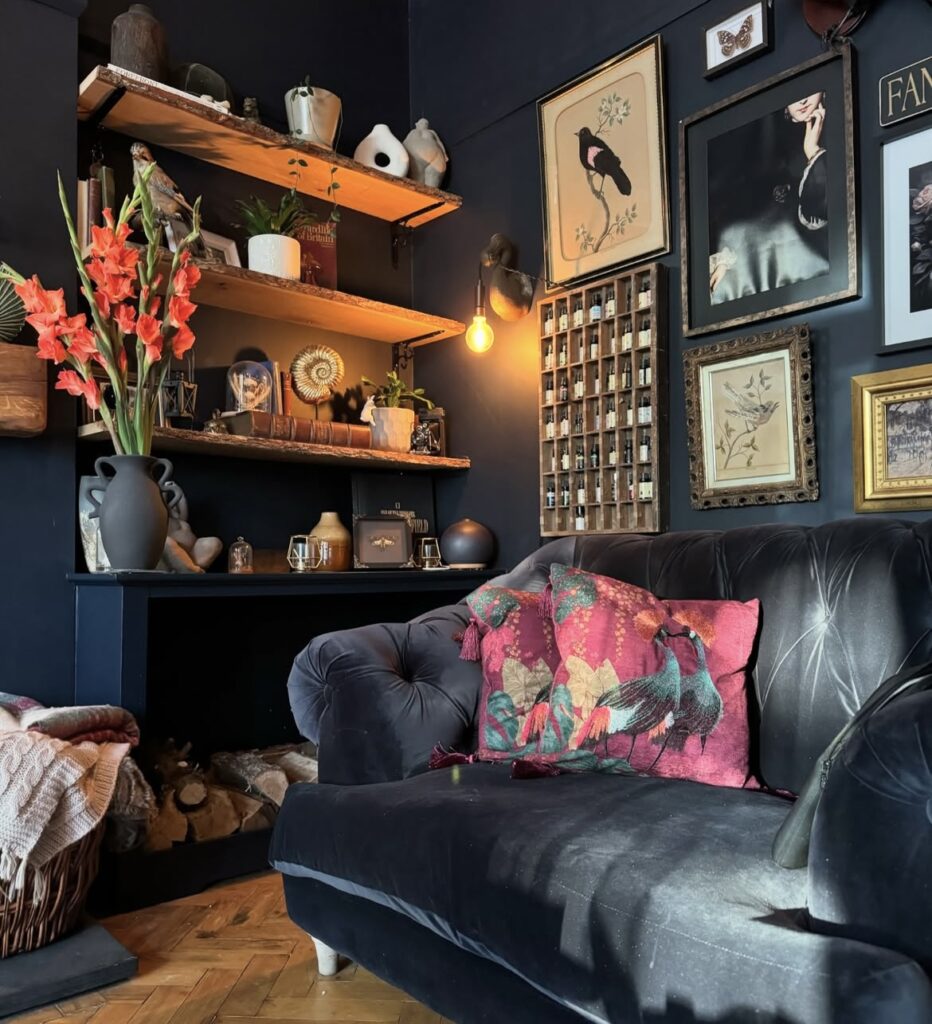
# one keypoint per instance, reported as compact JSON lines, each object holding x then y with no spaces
{"x":249,"y":387}
{"x":239,"y":558}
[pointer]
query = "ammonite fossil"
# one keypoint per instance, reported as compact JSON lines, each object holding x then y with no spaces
{"x":315,"y":372}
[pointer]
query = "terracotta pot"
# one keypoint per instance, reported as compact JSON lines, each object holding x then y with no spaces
{"x":391,"y":428}
{"x":277,"y":255}
{"x":336,"y":543}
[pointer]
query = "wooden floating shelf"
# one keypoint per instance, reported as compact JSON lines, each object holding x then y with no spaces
{"x":170,"y":439}
{"x":166,"y":117}
{"x":246,"y":291}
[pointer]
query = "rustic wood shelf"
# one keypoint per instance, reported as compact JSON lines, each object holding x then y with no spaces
{"x":246,"y":291}
{"x":164,"y":116}
{"x":170,"y":439}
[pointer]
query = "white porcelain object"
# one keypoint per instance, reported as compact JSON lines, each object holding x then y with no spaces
{"x":381,"y":150}
{"x":391,"y":428}
{"x":278,"y":255}
{"x":313,"y":114}
{"x":428,"y":157}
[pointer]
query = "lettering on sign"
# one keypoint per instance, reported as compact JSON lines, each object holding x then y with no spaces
{"x":906,"y":93}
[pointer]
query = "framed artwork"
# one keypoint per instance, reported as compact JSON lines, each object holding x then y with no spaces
{"x":750,"y":421}
{"x":767,"y":199}
{"x":737,"y":38}
{"x":891,"y":416}
{"x":220,"y":248}
{"x":383,"y":542}
{"x":604,"y":167}
{"x":907,"y":241}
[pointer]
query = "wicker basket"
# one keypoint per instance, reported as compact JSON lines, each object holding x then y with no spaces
{"x":25,"y":925}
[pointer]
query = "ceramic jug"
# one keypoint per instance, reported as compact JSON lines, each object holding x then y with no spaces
{"x":313,"y":114}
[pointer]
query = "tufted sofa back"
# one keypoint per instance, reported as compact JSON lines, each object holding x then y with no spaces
{"x":844,"y":605}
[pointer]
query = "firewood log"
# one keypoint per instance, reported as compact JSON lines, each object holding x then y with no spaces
{"x":253,"y":814}
{"x":297,"y":767}
{"x":215,"y":818}
{"x":176,"y":770}
{"x":250,"y":774}
{"x":170,"y":825}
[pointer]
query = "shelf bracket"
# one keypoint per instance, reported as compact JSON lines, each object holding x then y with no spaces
{"x":402,"y":354}
{"x":99,"y":114}
{"x":401,"y":232}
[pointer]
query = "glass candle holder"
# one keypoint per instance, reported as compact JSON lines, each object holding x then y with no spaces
{"x":239,"y":557}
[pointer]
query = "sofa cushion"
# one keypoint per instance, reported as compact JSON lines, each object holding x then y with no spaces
{"x":605,"y":893}
{"x":661,"y":685}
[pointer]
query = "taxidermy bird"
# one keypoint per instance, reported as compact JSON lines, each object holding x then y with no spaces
{"x":171,"y":207}
{"x":597,"y":158}
{"x":510,"y":292}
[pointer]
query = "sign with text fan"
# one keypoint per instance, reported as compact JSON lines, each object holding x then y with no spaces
{"x":906,"y":92}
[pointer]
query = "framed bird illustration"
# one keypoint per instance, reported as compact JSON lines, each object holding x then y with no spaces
{"x":739,"y":37}
{"x":604,"y":167}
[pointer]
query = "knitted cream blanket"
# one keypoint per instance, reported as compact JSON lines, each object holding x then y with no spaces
{"x":52,"y":793}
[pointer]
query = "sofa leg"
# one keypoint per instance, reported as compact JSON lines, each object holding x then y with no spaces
{"x":326,"y":959}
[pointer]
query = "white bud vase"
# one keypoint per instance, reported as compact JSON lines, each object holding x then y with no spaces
{"x":277,"y":255}
{"x":428,"y":156}
{"x":381,"y":150}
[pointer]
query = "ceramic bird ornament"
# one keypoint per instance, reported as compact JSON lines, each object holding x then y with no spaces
{"x":511,"y":293}
{"x":171,"y":207}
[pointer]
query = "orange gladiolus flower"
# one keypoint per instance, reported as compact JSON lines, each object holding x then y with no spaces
{"x":82,"y":344}
{"x":115,"y":287}
{"x":75,"y":385}
{"x":50,"y":346}
{"x":186,"y":278}
{"x":125,"y":317}
{"x":182,"y":340}
{"x":180,"y":310}
{"x":40,"y":302}
{"x":149,"y":332}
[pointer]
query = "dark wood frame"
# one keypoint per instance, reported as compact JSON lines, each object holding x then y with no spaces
{"x":362,"y":524}
{"x":741,"y":57}
{"x":852,"y":289}
{"x":806,"y":485}
{"x":656,"y":42}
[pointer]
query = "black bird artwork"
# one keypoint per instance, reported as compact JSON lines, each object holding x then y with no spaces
{"x":597,"y":157}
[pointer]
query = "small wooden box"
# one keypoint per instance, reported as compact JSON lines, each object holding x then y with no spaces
{"x":23,"y":399}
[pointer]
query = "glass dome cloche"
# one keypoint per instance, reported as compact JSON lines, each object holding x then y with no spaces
{"x":249,"y":387}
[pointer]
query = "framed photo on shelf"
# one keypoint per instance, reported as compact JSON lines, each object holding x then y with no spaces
{"x":604,"y":167}
{"x":907,"y":241}
{"x":222,"y":249}
{"x":750,"y":421}
{"x":383,"y":542}
{"x":738,"y":38}
{"x":768,"y":222}
{"x":891,"y":417}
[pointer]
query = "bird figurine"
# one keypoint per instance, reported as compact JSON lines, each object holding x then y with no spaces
{"x":510,"y":292}
{"x":171,"y":208}
{"x":598,"y":158}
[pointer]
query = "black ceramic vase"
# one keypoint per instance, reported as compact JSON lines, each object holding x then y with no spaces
{"x":467,"y":545}
{"x":133,"y":513}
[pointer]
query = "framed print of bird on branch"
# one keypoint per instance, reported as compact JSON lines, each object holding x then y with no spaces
{"x":749,"y":420}
{"x":604,"y":167}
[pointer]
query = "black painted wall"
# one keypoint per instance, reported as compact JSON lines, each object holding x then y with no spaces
{"x":478,"y":85}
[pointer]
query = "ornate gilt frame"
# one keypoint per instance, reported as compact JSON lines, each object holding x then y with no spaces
{"x":870,"y":392}
{"x":805,"y":486}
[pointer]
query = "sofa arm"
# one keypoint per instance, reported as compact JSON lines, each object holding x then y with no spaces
{"x":377,"y":699}
{"x":871,"y":851}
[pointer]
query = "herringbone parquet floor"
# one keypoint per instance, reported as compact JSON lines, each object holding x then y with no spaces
{"x":231,"y":956}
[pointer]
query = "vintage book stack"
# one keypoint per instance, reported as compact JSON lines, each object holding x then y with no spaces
{"x":603,"y":405}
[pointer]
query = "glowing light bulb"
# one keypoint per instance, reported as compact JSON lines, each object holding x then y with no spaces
{"x":479,"y":335}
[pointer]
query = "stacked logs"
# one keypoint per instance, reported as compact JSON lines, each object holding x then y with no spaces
{"x":238,"y":792}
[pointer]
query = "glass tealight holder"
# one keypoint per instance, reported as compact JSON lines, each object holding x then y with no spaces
{"x":239,"y":557}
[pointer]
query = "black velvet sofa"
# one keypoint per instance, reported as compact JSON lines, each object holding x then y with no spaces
{"x":606,"y":898}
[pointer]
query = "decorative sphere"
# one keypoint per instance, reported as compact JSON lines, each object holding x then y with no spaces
{"x":467,"y":545}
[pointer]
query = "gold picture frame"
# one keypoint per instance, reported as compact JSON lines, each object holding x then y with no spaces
{"x":750,"y":421}
{"x":614,"y":210}
{"x":884,"y":434}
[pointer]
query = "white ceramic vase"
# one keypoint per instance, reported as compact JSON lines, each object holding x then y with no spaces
{"x":428,"y":156}
{"x":391,"y":428}
{"x":313,"y":114}
{"x":278,"y":255}
{"x":381,"y":150}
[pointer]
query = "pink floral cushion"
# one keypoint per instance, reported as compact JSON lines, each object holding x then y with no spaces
{"x":519,"y":654}
{"x":659,"y":686}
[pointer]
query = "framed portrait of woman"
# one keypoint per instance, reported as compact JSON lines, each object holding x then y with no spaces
{"x":768,"y":210}
{"x":603,"y":167}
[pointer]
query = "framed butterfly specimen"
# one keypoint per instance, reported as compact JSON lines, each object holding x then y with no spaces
{"x":738,"y":37}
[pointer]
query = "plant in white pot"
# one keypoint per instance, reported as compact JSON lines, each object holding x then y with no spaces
{"x":272,"y":247}
{"x":313,"y":113}
{"x":392,"y":423}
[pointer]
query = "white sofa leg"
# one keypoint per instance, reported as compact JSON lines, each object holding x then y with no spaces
{"x":326,"y":959}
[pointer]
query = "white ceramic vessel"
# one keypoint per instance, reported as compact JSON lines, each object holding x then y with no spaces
{"x":278,"y":255}
{"x":381,"y":150}
{"x":313,"y":114}
{"x":428,"y":156}
{"x":391,"y":428}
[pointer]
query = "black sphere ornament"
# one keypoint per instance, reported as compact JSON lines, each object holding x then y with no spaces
{"x":467,"y":545}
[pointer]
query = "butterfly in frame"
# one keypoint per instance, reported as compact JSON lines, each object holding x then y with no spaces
{"x":731,"y":42}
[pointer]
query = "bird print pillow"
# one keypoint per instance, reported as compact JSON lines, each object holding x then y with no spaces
{"x":516,"y":646}
{"x":657,"y":687}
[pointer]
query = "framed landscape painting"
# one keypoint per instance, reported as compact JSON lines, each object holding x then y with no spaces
{"x":891,"y":415}
{"x":767,"y":199}
{"x":604,"y":167}
{"x":750,"y":421}
{"x":907,"y":241}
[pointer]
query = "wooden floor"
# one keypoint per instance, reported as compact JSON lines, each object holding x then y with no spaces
{"x":231,"y":956}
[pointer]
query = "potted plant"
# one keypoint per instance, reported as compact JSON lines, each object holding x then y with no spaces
{"x":131,"y":327}
{"x":392,"y":423}
{"x":313,"y":113}
{"x":272,"y":247}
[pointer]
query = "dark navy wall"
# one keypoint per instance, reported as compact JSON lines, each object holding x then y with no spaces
{"x":478,"y":85}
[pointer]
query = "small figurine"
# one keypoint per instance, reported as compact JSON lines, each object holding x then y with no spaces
{"x":428,"y":156}
{"x":185,"y":552}
{"x":251,"y":109}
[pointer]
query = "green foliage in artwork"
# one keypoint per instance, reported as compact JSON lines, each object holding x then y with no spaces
{"x":501,"y":727}
{"x":752,"y":409}
{"x":493,"y":605}
{"x":559,"y":726}
{"x":587,"y":761}
{"x":571,"y":595}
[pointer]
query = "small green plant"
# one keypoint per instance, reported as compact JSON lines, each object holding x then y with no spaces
{"x":261,"y":219}
{"x":392,"y":394}
{"x":304,"y":89}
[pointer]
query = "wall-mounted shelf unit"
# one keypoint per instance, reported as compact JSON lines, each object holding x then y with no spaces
{"x":246,"y":291}
{"x":167,"y":117}
{"x":603,"y":406}
{"x":171,"y":439}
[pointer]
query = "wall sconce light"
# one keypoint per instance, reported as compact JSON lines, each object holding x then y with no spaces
{"x":511,"y":292}
{"x":479,"y":334}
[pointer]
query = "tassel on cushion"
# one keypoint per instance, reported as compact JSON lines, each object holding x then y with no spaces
{"x":471,"y":637}
{"x":532,"y":768}
{"x":545,"y":602}
{"x":440,"y":758}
